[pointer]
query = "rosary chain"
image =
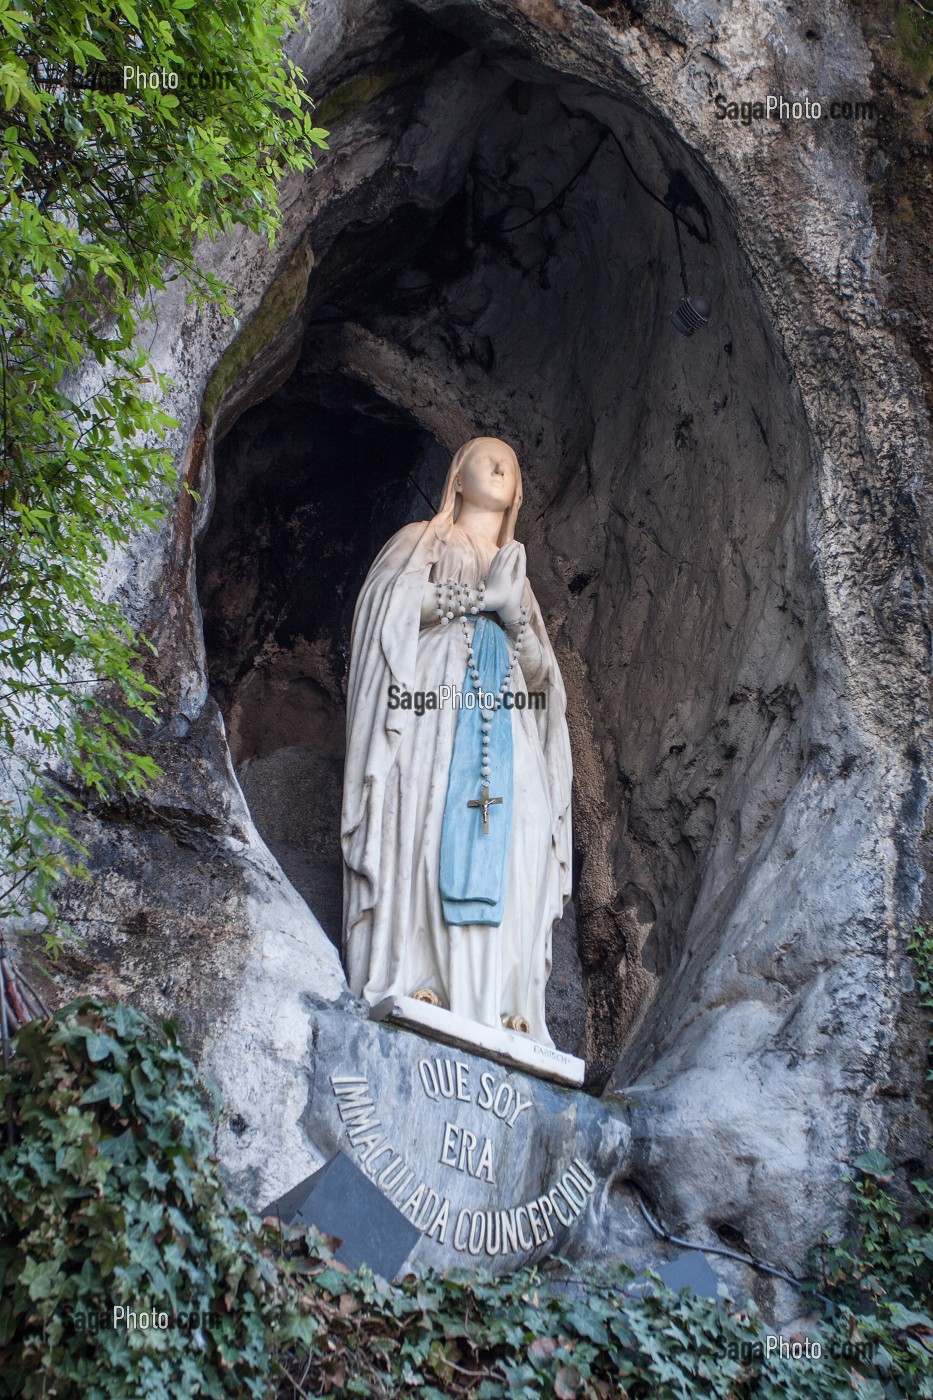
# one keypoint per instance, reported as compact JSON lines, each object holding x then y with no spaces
{"x":458,"y":599}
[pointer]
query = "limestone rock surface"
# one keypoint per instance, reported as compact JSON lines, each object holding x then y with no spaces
{"x":725,"y":538}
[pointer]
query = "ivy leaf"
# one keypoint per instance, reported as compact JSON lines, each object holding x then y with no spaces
{"x":585,"y":1321}
{"x":567,"y":1382}
{"x":121,"y":1149}
{"x":107,"y":1087}
{"x":874,"y":1163}
{"x":99,"y":1046}
{"x":39,"y":1279}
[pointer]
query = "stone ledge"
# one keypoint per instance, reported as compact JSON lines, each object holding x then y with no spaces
{"x":505,"y":1047}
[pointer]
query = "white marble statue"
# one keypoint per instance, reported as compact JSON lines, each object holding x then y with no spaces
{"x":456,"y":817}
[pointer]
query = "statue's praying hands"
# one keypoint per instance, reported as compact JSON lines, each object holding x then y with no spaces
{"x":505,"y":582}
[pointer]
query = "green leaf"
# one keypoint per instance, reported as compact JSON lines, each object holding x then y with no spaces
{"x":874,"y":1163}
{"x":41,"y":1280}
{"x":99,"y":1047}
{"x":121,"y":1149}
{"x":107,"y":1087}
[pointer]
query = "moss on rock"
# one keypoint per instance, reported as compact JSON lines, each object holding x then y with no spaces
{"x":280,"y":303}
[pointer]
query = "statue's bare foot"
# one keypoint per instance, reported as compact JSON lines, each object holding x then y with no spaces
{"x":425,"y":994}
{"x":515,"y":1022}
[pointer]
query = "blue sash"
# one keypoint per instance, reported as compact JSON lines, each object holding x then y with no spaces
{"x":473,"y":866}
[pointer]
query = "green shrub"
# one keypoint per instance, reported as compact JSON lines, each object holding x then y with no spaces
{"x":106,"y":191}
{"x":108,"y":1197}
{"x":530,"y":1337}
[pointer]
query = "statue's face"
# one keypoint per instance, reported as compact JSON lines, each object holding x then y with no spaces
{"x":489,"y":475}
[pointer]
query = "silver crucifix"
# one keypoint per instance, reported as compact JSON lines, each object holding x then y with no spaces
{"x":485,"y":802}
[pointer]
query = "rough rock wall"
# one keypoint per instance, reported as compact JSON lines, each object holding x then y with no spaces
{"x":658,"y":503}
{"x":723,"y":533}
{"x":899,"y":168}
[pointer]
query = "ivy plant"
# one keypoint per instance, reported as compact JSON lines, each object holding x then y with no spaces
{"x":110,"y":1200}
{"x":883,"y":1268}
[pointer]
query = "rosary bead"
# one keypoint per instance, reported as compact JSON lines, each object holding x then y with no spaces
{"x":465,"y":599}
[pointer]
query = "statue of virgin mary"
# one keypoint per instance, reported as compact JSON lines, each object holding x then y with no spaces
{"x":456,"y":803}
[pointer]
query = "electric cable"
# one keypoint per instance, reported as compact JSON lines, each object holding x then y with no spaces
{"x":758,"y":1264}
{"x":703,"y":237}
{"x":560,"y":193}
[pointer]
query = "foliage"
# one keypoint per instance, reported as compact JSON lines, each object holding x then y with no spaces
{"x":108,"y":1198}
{"x":914,"y":25}
{"x":104,"y":192}
{"x":885,"y":1273}
{"x":529,"y":1337}
{"x":894,"y":1259}
{"x":922,"y":949}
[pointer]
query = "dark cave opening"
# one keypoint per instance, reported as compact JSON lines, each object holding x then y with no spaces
{"x":279,"y":571}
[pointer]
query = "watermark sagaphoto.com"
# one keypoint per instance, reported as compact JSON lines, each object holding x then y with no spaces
{"x":120,"y":1317}
{"x":131,"y":77}
{"x":785,"y":109}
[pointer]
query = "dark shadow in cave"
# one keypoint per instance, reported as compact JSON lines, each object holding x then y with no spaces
{"x":279,"y":570}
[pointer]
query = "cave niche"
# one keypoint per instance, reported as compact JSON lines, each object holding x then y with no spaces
{"x":496,"y":264}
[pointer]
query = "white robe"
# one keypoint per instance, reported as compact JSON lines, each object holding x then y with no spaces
{"x":396,"y":940}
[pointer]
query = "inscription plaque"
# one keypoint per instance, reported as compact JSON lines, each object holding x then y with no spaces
{"x":435,"y":1206}
{"x":490,"y":1165}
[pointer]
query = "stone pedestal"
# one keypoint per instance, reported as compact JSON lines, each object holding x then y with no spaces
{"x":505,"y":1047}
{"x":493,"y":1167}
